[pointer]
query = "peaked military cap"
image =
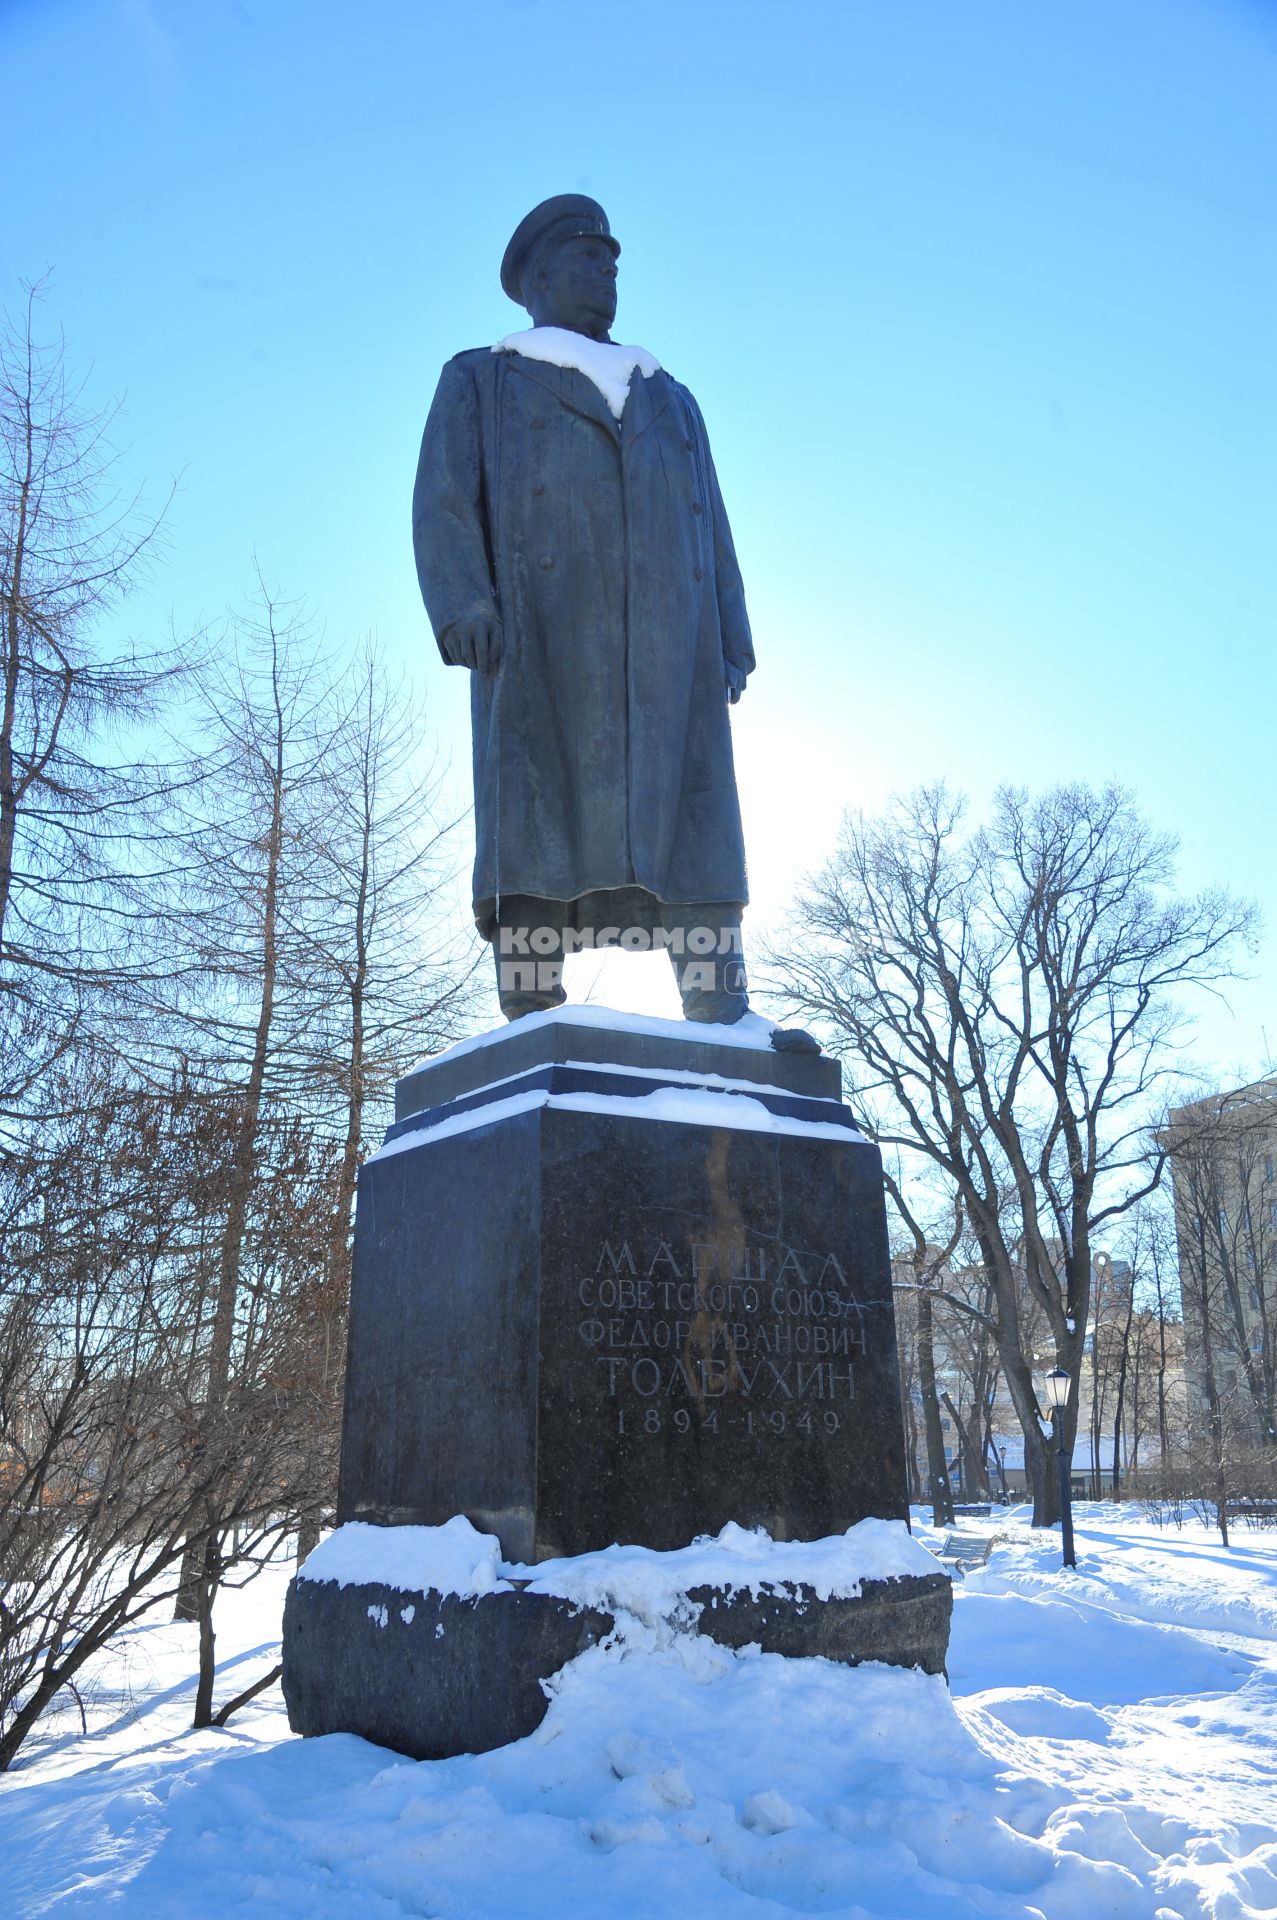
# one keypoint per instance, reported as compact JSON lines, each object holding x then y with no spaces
{"x":564,"y":217}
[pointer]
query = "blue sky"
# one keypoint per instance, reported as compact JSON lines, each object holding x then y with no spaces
{"x":979,"y":300}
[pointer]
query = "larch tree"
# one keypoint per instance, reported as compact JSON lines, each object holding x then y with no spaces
{"x":70,"y":552}
{"x":306,"y":969}
{"x":239,"y":987}
{"x":398,"y":973}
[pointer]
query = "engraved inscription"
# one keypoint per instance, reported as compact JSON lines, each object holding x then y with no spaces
{"x":761,"y":1340}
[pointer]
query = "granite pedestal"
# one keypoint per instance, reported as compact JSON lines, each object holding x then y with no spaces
{"x":593,"y":1305}
{"x":435,"y":1674}
{"x":622,"y":1282}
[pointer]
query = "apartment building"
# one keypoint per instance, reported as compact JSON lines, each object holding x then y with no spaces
{"x":1223,"y":1159}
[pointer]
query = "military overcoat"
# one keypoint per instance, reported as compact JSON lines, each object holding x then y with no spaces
{"x":602,"y":747}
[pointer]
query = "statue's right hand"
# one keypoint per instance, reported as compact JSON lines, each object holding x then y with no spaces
{"x":476,"y":644}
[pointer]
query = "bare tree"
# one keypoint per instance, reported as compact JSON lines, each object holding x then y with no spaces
{"x":398,"y":981}
{"x":974,"y":1373}
{"x":239,"y":984}
{"x":267,"y":1408}
{"x":1154,"y":1260}
{"x":1004,"y":1001}
{"x":944,"y":1298}
{"x":306,"y":969}
{"x":261,"y":918}
{"x":107,"y":1454}
{"x":923,"y":1261}
{"x":70,"y":551}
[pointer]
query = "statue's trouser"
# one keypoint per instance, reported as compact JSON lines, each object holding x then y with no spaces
{"x":703,"y":942}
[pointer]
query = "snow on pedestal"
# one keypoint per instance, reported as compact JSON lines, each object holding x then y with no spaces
{"x":426,"y":1640}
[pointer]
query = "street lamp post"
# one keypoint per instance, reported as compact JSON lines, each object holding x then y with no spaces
{"x":1057,"y":1393}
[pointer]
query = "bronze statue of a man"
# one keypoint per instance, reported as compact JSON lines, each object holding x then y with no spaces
{"x":574,"y":555}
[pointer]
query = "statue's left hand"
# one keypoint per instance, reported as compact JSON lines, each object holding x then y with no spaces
{"x":735,"y":678}
{"x":476,"y":644}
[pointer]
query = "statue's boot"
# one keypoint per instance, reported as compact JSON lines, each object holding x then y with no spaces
{"x":708,"y":964}
{"x":794,"y":1040}
{"x":529,"y":987}
{"x":725,"y":1000}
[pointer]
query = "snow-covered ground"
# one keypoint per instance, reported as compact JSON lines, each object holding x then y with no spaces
{"x":1109,"y":1750}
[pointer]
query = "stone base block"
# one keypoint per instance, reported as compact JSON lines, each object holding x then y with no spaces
{"x":637,"y":1302}
{"x":433,"y":1674}
{"x":903,"y":1623}
{"x":429,"y":1674}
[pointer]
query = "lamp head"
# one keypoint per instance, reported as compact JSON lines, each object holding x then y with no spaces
{"x":1057,"y":1388}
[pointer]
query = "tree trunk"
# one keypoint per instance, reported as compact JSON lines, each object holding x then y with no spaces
{"x":1214,"y":1407}
{"x":52,"y":1682}
{"x":207,"y":1592}
{"x":246,"y":1140}
{"x":1039,"y":1466}
{"x":223,"y":1714}
{"x":186,"y":1607}
{"x":1163,"y":1431}
{"x":1123,"y":1365}
{"x":22,"y":1722}
{"x":971,"y":1473}
{"x":909,"y":1422}
{"x":939,"y":1490}
{"x":13,"y":588}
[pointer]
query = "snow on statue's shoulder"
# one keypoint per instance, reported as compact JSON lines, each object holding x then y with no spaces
{"x":607,"y":363}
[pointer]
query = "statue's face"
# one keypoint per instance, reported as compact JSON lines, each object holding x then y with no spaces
{"x":575,"y":287}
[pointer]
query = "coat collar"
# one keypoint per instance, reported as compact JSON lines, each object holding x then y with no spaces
{"x":646,"y":400}
{"x":572,"y":389}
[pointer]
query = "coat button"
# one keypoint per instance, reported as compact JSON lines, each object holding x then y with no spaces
{"x":697,"y":574}
{"x":537,"y":425}
{"x":538,"y":486}
{"x":689,"y":444}
{"x":547,"y":561}
{"x":697,"y":507}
